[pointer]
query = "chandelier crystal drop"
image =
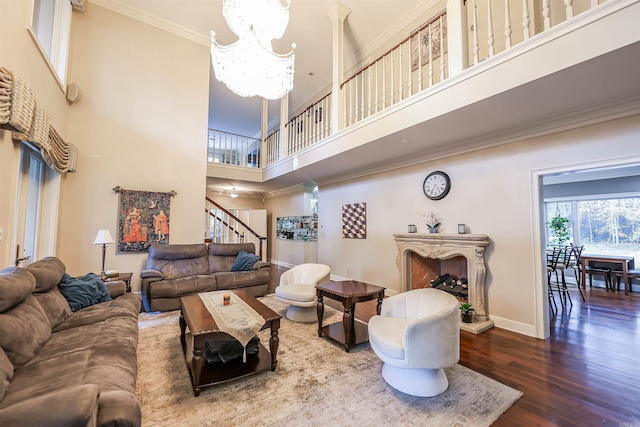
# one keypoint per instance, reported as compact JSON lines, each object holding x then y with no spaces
{"x":249,"y":67}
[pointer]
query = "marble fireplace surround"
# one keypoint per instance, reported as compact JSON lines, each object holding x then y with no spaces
{"x":445,"y":246}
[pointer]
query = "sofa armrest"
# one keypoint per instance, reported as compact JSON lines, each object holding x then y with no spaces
{"x":116,"y":288}
{"x":71,"y":406}
{"x":261,"y":264}
{"x":152,"y":274}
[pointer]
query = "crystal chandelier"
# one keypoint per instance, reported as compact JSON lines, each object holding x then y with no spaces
{"x":249,"y":67}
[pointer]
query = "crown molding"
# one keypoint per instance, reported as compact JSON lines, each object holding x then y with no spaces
{"x":131,"y":12}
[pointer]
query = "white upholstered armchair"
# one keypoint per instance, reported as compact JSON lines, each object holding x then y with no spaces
{"x":416,"y":335}
{"x":298,"y":289}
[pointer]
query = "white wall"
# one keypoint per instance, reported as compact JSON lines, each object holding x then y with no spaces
{"x":141,"y":124}
{"x":19,"y":53}
{"x":288,"y":252}
{"x":491,"y":193}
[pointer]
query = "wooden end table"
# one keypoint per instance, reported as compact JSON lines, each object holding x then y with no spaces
{"x":203,"y":328}
{"x":349,"y":293}
{"x":125,"y":277}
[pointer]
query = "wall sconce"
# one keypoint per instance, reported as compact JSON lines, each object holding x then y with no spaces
{"x":103,"y":238}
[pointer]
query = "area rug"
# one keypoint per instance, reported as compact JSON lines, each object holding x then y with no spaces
{"x":316,"y":383}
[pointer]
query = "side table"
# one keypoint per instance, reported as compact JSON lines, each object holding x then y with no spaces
{"x":125,"y":277}
{"x":349,"y":293}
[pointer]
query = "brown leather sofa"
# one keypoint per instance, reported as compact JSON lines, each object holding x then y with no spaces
{"x":64,"y":368}
{"x":176,"y":270}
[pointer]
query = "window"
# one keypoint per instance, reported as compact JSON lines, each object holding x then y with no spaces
{"x":604,"y":226}
{"x":50,"y":26}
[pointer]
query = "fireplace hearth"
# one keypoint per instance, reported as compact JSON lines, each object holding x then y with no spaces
{"x":423,"y":257}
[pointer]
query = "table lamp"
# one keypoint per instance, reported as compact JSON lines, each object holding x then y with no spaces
{"x":103,"y":238}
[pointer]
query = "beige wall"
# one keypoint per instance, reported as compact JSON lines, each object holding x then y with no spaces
{"x":19,"y":53}
{"x":288,"y":252}
{"x":141,"y":124}
{"x":491,"y":193}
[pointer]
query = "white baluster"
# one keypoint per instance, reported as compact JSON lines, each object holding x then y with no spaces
{"x":430,"y":52}
{"x":546,"y":13}
{"x":401,"y":74}
{"x":569,"y":8}
{"x":525,"y":18}
{"x":442,"y":61}
{"x":393,"y":80}
{"x":419,"y":41}
{"x":362,"y":95}
{"x":409,"y":73}
{"x":327,"y":115}
{"x":490,"y":36}
{"x":376,"y":99}
{"x":507,"y":24}
{"x":384,"y":83}
{"x":369,"y":91}
{"x":476,"y":42}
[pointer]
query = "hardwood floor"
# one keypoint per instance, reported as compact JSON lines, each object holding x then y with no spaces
{"x":586,"y":374}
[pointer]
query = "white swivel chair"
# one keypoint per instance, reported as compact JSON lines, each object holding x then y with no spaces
{"x":298,"y":289}
{"x":416,"y":335}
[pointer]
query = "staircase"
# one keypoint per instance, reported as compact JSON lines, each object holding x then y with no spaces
{"x":223,"y":226}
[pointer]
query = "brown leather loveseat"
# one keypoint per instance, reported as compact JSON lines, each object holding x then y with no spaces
{"x":177,"y":270}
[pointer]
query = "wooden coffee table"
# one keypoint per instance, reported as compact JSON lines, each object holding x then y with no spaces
{"x":203,"y":328}
{"x":348,"y":292}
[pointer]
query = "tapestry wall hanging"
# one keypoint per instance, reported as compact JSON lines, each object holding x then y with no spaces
{"x":354,"y":221}
{"x":143,"y":219}
{"x":434,"y":37}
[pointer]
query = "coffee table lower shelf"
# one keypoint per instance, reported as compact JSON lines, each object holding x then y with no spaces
{"x":335,"y":331}
{"x":219,"y":373}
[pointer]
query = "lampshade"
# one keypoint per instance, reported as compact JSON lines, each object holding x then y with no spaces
{"x":103,"y":238}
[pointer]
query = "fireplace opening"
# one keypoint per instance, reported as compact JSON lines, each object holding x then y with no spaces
{"x":449,"y":275}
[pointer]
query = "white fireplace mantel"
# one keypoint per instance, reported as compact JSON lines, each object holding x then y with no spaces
{"x":445,"y":246}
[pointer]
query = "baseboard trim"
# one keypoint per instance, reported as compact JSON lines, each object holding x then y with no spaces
{"x":513,"y":326}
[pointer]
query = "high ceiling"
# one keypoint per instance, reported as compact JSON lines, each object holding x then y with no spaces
{"x":309,"y":28}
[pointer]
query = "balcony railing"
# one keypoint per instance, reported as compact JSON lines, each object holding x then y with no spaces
{"x":232,"y":149}
{"x":422,"y":60}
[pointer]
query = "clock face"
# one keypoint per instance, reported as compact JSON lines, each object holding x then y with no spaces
{"x":436,"y":185}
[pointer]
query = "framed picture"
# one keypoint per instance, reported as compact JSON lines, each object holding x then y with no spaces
{"x":354,"y":221}
{"x":432,"y":37}
{"x":143,"y":220}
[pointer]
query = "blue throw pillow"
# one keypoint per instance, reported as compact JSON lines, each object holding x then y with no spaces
{"x":244,"y":261}
{"x":83,"y":291}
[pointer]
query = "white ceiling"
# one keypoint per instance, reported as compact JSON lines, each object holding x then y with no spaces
{"x":564,"y":93}
{"x":309,"y":28}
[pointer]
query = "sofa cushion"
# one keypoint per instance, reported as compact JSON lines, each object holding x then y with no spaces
{"x":223,"y":255}
{"x":176,"y":261}
{"x":48,"y":272}
{"x":242,"y":279}
{"x":183,"y":286}
{"x":244,"y":261}
{"x":15,"y":285}
{"x":83,"y":291}
{"x":127,"y":305}
{"x":23,"y":330}
{"x":6,"y":373}
{"x":54,"y":305}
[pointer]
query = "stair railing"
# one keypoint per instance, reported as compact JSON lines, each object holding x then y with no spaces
{"x":232,"y":226}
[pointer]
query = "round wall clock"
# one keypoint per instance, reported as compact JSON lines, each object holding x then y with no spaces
{"x":436,"y":185}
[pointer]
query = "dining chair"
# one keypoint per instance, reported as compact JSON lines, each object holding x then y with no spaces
{"x":631,"y":274}
{"x":552,"y":260}
{"x":571,"y":260}
{"x":560,"y":259}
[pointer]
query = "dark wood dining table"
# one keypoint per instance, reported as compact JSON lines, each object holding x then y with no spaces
{"x":626,"y":263}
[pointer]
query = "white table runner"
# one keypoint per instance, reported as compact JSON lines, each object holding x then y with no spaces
{"x":237,"y":319}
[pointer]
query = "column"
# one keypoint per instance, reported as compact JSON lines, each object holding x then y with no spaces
{"x":337,"y":15}
{"x":457,"y":36}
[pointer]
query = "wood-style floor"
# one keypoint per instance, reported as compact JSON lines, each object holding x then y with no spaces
{"x":586,"y":374}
